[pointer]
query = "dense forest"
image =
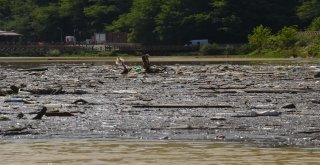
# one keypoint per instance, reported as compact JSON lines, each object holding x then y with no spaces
{"x":156,"y":21}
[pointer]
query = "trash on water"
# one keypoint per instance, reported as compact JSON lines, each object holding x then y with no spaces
{"x":125,"y":91}
{"x":17,"y":100}
{"x":137,"y":69}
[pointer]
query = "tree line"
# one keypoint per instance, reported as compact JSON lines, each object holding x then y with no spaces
{"x":156,"y":21}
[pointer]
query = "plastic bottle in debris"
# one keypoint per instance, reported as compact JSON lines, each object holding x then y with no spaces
{"x":137,"y":69}
{"x":14,"y":100}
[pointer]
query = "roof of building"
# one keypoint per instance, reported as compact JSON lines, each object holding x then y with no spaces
{"x":8,"y":33}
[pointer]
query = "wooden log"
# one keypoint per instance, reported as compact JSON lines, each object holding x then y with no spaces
{"x":48,"y":91}
{"x":60,"y":114}
{"x":34,"y":69}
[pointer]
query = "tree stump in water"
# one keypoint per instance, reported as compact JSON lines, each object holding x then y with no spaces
{"x":146,"y":63}
{"x":147,"y":66}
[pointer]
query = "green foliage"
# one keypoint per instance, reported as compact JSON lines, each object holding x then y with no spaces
{"x":210,"y":49}
{"x":286,"y":38}
{"x":139,"y":21}
{"x":229,"y":50}
{"x":313,"y":50}
{"x":309,"y":9}
{"x":159,"y":21}
{"x":244,"y":49}
{"x":315,"y":24}
{"x":53,"y":52}
{"x":286,"y":43}
{"x":260,"y":37}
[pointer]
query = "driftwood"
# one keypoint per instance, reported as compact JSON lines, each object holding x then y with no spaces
{"x":224,"y":87}
{"x":48,"y":91}
{"x":182,"y":106}
{"x":126,"y":70}
{"x":276,"y":91}
{"x":57,"y":113}
{"x":81,"y":101}
{"x":16,"y":131}
{"x":273,"y":90}
{"x":15,"y":89}
{"x":3,"y":93}
{"x":34,"y":69}
{"x":257,"y":114}
{"x":20,"y":115}
{"x":40,"y":114}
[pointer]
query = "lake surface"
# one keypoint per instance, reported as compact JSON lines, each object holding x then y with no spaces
{"x":101,"y":151}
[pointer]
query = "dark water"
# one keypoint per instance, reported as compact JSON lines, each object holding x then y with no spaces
{"x":89,"y":152}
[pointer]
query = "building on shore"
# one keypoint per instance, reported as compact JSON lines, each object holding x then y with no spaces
{"x":9,"y":37}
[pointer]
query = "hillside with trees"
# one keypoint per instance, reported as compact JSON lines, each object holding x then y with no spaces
{"x":156,"y":21}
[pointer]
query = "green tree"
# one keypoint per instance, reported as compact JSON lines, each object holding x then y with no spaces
{"x":19,"y":17}
{"x":181,"y":20}
{"x":5,"y":12}
{"x":286,"y":38}
{"x":102,"y":12}
{"x":260,"y":38}
{"x":309,"y":13}
{"x":139,"y":21}
{"x":309,"y":9}
{"x":46,"y":20}
{"x":315,"y":24}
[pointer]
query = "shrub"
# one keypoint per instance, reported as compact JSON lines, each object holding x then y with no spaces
{"x":286,"y":37}
{"x":244,"y":49}
{"x":260,"y":37}
{"x":315,"y":24}
{"x":229,"y":50}
{"x":313,"y":50}
{"x":210,"y":49}
{"x":53,"y":52}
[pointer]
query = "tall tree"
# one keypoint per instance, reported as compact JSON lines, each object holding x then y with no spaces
{"x":139,"y":21}
{"x":309,"y":12}
{"x":181,"y":20}
{"x":5,"y":12}
{"x":102,"y":12}
{"x":19,"y":18}
{"x":46,"y":20}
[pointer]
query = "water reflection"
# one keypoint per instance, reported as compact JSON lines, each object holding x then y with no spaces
{"x":76,"y":152}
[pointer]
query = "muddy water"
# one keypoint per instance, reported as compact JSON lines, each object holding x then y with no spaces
{"x":75,"y":152}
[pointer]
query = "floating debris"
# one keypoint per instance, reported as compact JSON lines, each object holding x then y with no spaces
{"x":289,"y":106}
{"x":257,"y":114}
{"x":40,"y":114}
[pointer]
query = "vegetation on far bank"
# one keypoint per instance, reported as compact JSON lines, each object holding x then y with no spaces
{"x":155,"y":21}
{"x":265,"y":28}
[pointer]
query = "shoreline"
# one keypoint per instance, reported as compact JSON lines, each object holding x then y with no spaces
{"x":155,"y":59}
